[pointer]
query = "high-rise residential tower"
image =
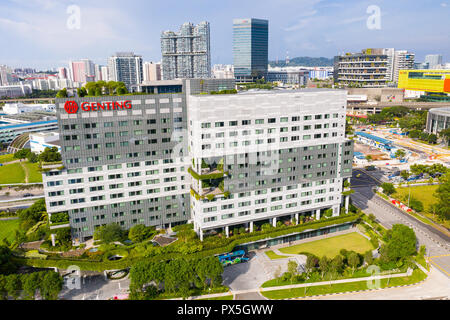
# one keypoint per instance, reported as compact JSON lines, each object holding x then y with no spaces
{"x":434,"y":60}
{"x":403,"y":60}
{"x":152,"y":71}
{"x":187,"y":53}
{"x":250,"y":49}
{"x":126,"y":67}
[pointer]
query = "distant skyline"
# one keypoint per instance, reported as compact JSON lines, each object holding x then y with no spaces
{"x":37,"y":35}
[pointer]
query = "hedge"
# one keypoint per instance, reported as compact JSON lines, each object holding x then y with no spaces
{"x":241,"y":239}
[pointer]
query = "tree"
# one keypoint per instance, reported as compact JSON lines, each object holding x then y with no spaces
{"x":368,"y":257}
{"x":404,"y":174}
{"x":372,"y":217}
{"x":353,"y":260}
{"x":416,"y":204}
{"x":62,"y":93}
{"x":324,"y":265}
{"x":22,"y":154}
{"x":369,"y":158}
{"x":388,"y":188}
{"x":445,"y":135}
{"x":50,"y":155}
{"x":432,"y":138}
{"x":139,"y":233}
{"x":110,"y":233}
{"x":51,"y":285}
{"x":400,"y":154}
{"x":336,"y":264}
{"x":81,"y":92}
{"x":401,"y":244}
{"x":292,"y":267}
{"x":30,"y":284}
{"x":13,"y":285}
{"x":32,"y":157}
{"x":442,"y":193}
{"x":311,"y":263}
{"x":7,"y":266}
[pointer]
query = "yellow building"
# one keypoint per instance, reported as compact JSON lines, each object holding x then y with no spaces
{"x":425,"y":80}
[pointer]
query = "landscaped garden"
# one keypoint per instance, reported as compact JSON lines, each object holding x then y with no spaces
{"x":330,"y":247}
{"x":396,"y":255}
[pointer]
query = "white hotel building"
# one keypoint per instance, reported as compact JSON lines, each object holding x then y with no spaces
{"x":268,"y":156}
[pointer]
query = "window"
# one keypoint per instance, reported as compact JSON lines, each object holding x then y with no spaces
{"x":259,"y":121}
{"x":233,"y":123}
{"x":108,"y":124}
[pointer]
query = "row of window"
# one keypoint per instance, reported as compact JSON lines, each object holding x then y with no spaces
{"x":270,"y":130}
{"x":122,"y":123}
{"x":233,"y":123}
{"x":270,"y":140}
{"x":265,"y":209}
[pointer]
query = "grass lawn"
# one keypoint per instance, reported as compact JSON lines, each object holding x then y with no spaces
{"x":8,"y":229}
{"x":418,"y":275}
{"x":273,"y":255}
{"x":12,"y":173}
{"x":7,"y":158}
{"x":425,"y":195}
{"x":421,"y":193}
{"x":330,"y":247}
{"x":33,"y":174}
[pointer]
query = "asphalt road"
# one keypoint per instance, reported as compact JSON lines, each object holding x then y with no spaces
{"x":437,"y":244}
{"x":94,"y":287}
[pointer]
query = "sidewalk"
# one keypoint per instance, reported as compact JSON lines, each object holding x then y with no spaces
{"x":322,"y":283}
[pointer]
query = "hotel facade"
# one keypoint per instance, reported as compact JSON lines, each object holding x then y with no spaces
{"x":218,"y":161}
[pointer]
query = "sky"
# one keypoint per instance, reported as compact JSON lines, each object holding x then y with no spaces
{"x":49,"y":33}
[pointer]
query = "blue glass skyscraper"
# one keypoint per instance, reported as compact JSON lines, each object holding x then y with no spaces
{"x":250,"y":49}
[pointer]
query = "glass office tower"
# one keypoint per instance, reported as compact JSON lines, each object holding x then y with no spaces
{"x":250,"y":49}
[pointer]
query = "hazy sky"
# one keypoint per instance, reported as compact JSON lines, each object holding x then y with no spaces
{"x":34,"y":33}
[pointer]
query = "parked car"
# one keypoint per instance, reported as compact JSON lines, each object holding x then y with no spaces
{"x":28,"y":195}
{"x":371,"y":168}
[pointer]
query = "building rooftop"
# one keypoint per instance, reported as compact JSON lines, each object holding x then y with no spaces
{"x":27,"y":124}
{"x":374,"y":138}
{"x":442,"y":111}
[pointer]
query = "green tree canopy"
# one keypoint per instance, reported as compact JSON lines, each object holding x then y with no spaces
{"x":110,"y":233}
{"x":401,"y":244}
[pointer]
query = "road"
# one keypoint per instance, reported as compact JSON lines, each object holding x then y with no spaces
{"x":95,"y":287}
{"x":437,"y":244}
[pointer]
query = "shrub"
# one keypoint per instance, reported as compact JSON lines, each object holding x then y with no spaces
{"x":388,"y":188}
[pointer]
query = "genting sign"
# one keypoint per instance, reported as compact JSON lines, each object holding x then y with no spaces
{"x":72,"y":107}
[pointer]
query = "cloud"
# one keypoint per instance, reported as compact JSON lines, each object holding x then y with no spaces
{"x":443,"y":4}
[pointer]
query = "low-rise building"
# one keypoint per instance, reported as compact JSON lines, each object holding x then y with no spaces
{"x":41,"y":140}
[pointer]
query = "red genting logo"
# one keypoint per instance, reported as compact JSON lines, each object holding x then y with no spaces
{"x":71,"y":107}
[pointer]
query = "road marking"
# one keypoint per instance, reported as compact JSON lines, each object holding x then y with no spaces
{"x":442,"y":255}
{"x":448,"y":274}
